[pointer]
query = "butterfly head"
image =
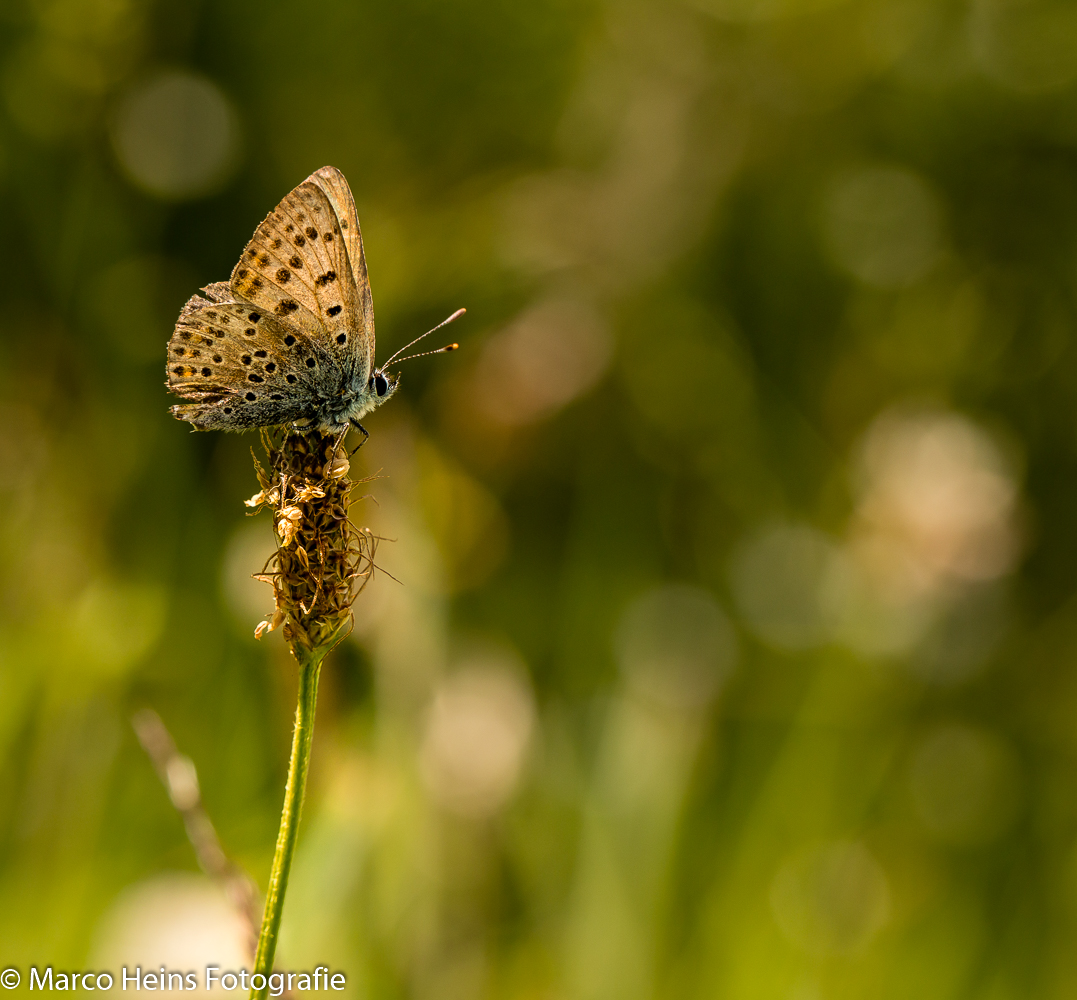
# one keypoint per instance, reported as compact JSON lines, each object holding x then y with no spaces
{"x":382,"y":385}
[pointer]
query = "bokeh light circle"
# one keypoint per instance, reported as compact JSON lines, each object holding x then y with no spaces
{"x":676,"y":645}
{"x":176,"y":135}
{"x":883,"y":224}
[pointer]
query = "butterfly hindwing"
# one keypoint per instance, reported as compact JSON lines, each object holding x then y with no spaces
{"x":241,"y":367}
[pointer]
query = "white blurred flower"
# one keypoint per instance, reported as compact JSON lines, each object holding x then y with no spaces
{"x":178,"y":921}
{"x":934,"y":528}
{"x":477,"y":736}
{"x":937,"y":503}
{"x":919,"y":571}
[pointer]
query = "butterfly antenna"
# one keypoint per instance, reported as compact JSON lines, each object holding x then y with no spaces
{"x":450,"y":347}
{"x":440,"y":350}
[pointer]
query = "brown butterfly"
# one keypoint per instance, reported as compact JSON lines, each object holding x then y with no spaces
{"x":290,"y":337}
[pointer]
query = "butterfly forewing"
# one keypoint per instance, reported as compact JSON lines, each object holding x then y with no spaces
{"x":297,"y":268}
{"x":331,"y":181}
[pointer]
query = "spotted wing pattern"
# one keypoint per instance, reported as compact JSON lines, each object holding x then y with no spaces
{"x":298,"y":267}
{"x":332,"y":183}
{"x":241,"y":368}
{"x":291,"y":334}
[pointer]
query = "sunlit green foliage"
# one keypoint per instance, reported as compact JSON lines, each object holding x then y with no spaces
{"x":732,"y":648}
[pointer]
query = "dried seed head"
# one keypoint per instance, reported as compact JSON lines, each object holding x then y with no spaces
{"x":309,"y":493}
{"x":336,"y":469}
{"x":322,"y":560}
{"x":263,"y":497}
{"x":286,"y":531}
{"x":269,"y":624}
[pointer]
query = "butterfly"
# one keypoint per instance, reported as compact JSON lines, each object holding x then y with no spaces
{"x":289,"y":338}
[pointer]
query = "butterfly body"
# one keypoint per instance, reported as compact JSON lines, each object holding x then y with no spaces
{"x":289,"y":339}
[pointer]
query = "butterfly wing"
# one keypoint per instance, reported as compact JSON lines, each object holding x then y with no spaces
{"x":241,"y":368}
{"x":332,"y":183}
{"x":305,"y":265}
{"x":292,"y":331}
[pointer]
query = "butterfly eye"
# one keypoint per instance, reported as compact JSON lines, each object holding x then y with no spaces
{"x":381,"y":386}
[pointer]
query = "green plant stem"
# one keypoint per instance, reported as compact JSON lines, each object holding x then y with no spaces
{"x":310,"y":663}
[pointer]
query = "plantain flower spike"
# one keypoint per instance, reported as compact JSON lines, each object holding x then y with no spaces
{"x":322,"y":560}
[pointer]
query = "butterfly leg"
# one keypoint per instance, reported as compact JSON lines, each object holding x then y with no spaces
{"x":366,"y":434}
{"x":340,"y":439}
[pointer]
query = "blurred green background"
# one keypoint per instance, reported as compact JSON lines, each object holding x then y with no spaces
{"x":733,"y":649}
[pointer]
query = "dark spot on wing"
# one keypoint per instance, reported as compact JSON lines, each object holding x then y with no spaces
{"x":217,"y":358}
{"x":250,"y":397}
{"x":300,"y":241}
{"x":242,"y":272}
{"x":311,"y":362}
{"x":255,"y":378}
{"x":257,"y":283}
{"x":289,"y":228}
{"x":285,"y":307}
{"x":254,"y":317}
{"x":291,"y":379}
{"x":178,"y":370}
{"x":271,"y":367}
{"x":206,"y":372}
{"x":250,"y":331}
{"x":246,"y":359}
{"x":283,"y":275}
{"x":333,"y":310}
{"x":325,"y":279}
{"x":312,"y":233}
{"x":260,"y":354}
{"x":276,"y":243}
{"x":296,"y":263}
{"x":342,"y":338}
{"x":328,"y":237}
{"x":276,"y":395}
{"x":289,"y":340}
